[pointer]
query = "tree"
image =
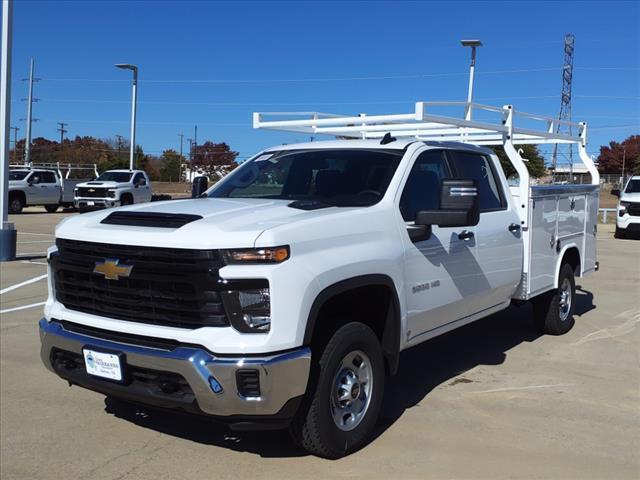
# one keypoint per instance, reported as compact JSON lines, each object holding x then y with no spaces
{"x":210,"y":156}
{"x":170,"y":170}
{"x":535,"y":163}
{"x":611,"y":157}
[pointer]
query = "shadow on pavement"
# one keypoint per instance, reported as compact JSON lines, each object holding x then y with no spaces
{"x":422,"y":369}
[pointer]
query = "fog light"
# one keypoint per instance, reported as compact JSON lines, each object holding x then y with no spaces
{"x":215,"y":385}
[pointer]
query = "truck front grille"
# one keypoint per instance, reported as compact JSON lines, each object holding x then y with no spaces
{"x":170,"y":287}
{"x":90,"y":192}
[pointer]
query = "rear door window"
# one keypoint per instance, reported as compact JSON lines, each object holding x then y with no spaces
{"x":480,"y":168}
{"x":47,"y":177}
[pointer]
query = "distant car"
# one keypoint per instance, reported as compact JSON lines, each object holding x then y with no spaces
{"x":628,"y":210}
{"x":113,"y":188}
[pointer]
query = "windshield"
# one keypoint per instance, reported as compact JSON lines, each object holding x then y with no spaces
{"x":333,"y":177}
{"x":633,"y":186}
{"x":17,"y":175}
{"x":115,"y":177}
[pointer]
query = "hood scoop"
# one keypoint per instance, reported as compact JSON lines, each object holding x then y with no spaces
{"x":150,"y":219}
{"x":94,"y":183}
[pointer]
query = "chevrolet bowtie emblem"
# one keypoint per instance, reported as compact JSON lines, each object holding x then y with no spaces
{"x":111,"y":269}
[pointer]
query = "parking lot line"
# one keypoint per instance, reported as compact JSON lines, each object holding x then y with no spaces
{"x":23,"y":307}
{"x":22,"y":284}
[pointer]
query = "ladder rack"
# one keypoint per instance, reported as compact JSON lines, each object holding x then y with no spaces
{"x":422,"y":124}
{"x":57,"y":167}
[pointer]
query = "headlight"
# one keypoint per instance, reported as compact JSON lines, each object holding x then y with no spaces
{"x":256,"y":255}
{"x":111,"y":193}
{"x":622,"y":209}
{"x":76,"y":191}
{"x":247,"y":304}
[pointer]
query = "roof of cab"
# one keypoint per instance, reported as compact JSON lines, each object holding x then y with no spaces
{"x":398,"y":144}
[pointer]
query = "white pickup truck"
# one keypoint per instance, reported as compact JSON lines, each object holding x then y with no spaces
{"x":113,"y":188}
{"x":628,"y":209}
{"x":48,"y":185}
{"x":284,"y":296}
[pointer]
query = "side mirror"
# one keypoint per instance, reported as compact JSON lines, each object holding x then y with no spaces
{"x":199,"y":186}
{"x":615,"y":192}
{"x":459,"y":205}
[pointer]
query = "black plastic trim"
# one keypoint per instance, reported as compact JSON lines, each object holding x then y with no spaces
{"x":391,"y":334}
{"x":150,"y":219}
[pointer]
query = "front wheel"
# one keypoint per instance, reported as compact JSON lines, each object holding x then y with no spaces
{"x":15,"y":204}
{"x":620,"y":233}
{"x":126,"y":200}
{"x":51,"y":208}
{"x":345,"y":394}
{"x":553,"y":311}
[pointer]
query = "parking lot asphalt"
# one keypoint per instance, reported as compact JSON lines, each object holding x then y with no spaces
{"x":490,"y":400}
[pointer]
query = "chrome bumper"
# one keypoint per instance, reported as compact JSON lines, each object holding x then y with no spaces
{"x":282,"y":376}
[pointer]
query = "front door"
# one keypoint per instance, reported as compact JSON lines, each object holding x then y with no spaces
{"x":441,"y":271}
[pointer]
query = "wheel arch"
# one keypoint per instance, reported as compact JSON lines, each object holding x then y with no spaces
{"x":569,"y":254}
{"x":344,"y":291}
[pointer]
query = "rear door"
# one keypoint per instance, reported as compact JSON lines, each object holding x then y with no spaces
{"x":499,"y":247}
{"x":50,"y":188}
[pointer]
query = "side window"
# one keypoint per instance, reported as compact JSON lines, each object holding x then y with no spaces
{"x":422,"y":190}
{"x":47,"y":177}
{"x":139,"y":179}
{"x":479,"y":167}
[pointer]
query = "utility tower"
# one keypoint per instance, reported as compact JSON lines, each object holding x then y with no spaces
{"x":30,"y":119}
{"x":565,"y":100}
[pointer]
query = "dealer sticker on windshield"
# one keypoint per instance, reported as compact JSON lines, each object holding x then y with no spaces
{"x":101,"y":364}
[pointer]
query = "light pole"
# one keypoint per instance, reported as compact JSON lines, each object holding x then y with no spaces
{"x":134,"y":95}
{"x":472,"y":69}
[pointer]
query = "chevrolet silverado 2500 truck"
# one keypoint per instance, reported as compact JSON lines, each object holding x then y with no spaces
{"x":628,"y":210}
{"x":48,"y":185}
{"x":284,"y":296}
{"x":113,"y":188}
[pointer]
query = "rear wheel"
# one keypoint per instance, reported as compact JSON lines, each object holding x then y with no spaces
{"x":345,"y":394}
{"x":16,"y":204}
{"x":51,"y":208}
{"x":553,"y":311}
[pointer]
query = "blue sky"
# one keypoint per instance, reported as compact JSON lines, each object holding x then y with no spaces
{"x":212,"y":64}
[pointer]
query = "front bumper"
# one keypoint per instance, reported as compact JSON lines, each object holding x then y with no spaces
{"x":628,"y":222}
{"x":79,"y":202}
{"x":283,"y":377}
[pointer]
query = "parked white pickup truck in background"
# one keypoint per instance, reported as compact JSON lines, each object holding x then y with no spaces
{"x":283,"y":297}
{"x":628,"y":210}
{"x":113,"y":188}
{"x":50,"y":185}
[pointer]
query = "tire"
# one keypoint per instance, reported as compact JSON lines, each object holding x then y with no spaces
{"x":16,"y":204}
{"x":126,"y":200}
{"x":51,"y":208}
{"x":553,"y":311}
{"x":316,"y":426}
{"x":620,"y":233}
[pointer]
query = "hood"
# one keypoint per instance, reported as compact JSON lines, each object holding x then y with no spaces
{"x":101,"y":184}
{"x":225,"y":223}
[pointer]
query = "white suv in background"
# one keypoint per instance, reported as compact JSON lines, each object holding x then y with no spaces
{"x":628,"y":211}
{"x":113,"y":188}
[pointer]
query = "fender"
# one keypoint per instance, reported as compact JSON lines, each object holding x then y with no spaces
{"x":391,"y":334}
{"x":559,"y":262}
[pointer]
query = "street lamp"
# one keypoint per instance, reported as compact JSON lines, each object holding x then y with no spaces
{"x":473,"y":44}
{"x":134,"y":69}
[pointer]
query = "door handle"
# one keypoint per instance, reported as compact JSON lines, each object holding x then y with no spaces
{"x":465,"y":235}
{"x":514,"y":227}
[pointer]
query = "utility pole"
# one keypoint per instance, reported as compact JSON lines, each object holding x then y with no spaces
{"x":195,"y":136}
{"x":15,"y":142}
{"x":181,"y":135}
{"x":119,"y":144}
{"x":30,"y":120}
{"x":565,"y":100}
{"x":8,"y":234}
{"x":62,"y":131}
{"x":624,"y":158}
